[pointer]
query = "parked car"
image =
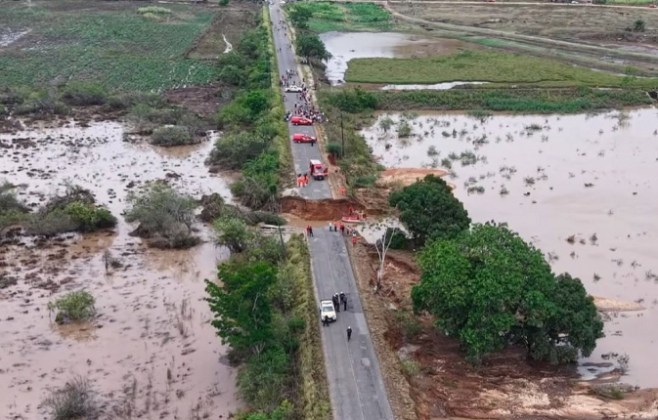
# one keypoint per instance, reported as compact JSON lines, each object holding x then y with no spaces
{"x":297,"y":120}
{"x":318,"y":170}
{"x":293,"y":88}
{"x":327,"y":310}
{"x":303,"y":138}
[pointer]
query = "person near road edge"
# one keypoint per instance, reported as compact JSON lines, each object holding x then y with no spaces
{"x":325,"y":321}
{"x":349,"y":333}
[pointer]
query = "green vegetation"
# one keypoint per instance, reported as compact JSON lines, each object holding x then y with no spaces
{"x":273,"y":332}
{"x":323,"y":16}
{"x":75,"y":400}
{"x":345,"y":111}
{"x":568,"y":100}
{"x":255,"y":135}
{"x":309,"y":46}
{"x":173,"y":135}
{"x":486,"y":66}
{"x":115,"y":47}
{"x":489,"y":289}
{"x":75,"y":211}
{"x":165,"y":216}
{"x":73,"y":307}
{"x":429,"y":210}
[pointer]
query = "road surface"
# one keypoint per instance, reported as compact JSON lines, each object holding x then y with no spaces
{"x":356,"y":387}
{"x":302,"y":153}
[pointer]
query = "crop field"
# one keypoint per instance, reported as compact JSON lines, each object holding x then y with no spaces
{"x":346,"y":16}
{"x":121,"y":45}
{"x":568,"y":22}
{"x":486,"y":66}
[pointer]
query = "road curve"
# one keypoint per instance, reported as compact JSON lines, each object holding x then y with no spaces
{"x":356,"y":387}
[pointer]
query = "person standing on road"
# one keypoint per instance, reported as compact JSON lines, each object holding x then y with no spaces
{"x":349,"y":333}
{"x":325,"y":321}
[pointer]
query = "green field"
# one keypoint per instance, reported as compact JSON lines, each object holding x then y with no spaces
{"x":486,"y":66}
{"x":346,"y":16}
{"x":105,"y":42}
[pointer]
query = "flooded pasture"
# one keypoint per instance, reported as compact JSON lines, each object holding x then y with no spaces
{"x":345,"y":46}
{"x":151,"y":352}
{"x":581,"y":188}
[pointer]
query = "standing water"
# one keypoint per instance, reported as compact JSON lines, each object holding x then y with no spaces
{"x":151,"y":353}
{"x":581,"y":188}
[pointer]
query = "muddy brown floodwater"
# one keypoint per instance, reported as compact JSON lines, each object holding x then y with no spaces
{"x":580,"y":187}
{"x":151,"y":353}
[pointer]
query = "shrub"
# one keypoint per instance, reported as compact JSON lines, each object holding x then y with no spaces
{"x":49,"y":223}
{"x":76,"y":400}
{"x":364,"y":181}
{"x":410,"y":368}
{"x":172,"y":135}
{"x":354,"y":101}
{"x":83,"y":94}
{"x":164,"y":215}
{"x":88,"y":217}
{"x":74,"y":306}
{"x":232,"y":151}
{"x":335,"y":149}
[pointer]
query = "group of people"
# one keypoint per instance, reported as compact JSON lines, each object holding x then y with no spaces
{"x":302,"y":180}
{"x":305,"y":107}
{"x":339,"y":299}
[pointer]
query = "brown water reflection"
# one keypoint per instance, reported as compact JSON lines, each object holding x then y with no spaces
{"x":151,"y":352}
{"x":581,"y":188}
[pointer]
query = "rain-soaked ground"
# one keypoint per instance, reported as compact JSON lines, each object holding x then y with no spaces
{"x":345,"y":46}
{"x":151,"y":352}
{"x":580,"y":187}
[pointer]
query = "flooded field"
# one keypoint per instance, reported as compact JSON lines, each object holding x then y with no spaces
{"x":345,"y":46}
{"x":151,"y":352}
{"x":580,"y":187}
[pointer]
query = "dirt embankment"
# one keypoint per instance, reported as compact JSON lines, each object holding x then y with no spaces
{"x":416,"y":357}
{"x":325,"y":210}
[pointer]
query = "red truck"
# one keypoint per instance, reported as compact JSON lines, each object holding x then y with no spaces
{"x":318,"y":170}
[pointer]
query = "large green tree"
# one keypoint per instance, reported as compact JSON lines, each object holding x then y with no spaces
{"x":310,"y":45}
{"x":429,"y":210}
{"x":241,"y":308}
{"x":489,"y":288}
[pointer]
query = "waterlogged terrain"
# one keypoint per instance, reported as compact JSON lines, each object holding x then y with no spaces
{"x":581,"y":188}
{"x":151,"y":352}
{"x":345,"y":46}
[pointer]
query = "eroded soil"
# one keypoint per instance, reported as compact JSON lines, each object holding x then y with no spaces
{"x":151,"y":352}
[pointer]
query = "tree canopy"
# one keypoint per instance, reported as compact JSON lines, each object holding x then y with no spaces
{"x":310,"y":45}
{"x":429,"y":210}
{"x":243,"y":314}
{"x":488,"y":288}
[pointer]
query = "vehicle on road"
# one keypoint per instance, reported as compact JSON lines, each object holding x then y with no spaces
{"x":297,"y":120}
{"x":318,"y":170}
{"x":303,"y":138}
{"x":327,"y":310}
{"x":294,"y":88}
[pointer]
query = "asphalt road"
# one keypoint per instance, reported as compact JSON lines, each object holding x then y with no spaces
{"x":356,"y":387}
{"x":302,"y":153}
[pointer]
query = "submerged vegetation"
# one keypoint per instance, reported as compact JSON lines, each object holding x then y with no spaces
{"x":73,"y":307}
{"x":74,"y":211}
{"x":165,"y":216}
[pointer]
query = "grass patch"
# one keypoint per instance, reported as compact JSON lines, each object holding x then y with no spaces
{"x":568,"y":100}
{"x":345,"y":16}
{"x":114,"y":47}
{"x":486,"y":66}
{"x":73,"y":307}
